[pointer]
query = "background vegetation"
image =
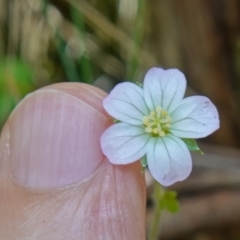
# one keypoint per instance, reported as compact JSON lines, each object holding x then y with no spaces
{"x":103,"y":42}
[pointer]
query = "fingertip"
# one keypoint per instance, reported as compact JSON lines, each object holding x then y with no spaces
{"x":55,"y":134}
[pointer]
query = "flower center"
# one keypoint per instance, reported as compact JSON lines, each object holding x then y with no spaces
{"x":157,"y":123}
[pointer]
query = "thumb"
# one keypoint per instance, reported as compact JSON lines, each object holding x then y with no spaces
{"x":55,"y":182}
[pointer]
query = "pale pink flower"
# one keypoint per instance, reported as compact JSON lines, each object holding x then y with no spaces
{"x":153,"y":119}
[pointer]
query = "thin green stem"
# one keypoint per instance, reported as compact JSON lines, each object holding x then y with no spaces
{"x":154,"y":230}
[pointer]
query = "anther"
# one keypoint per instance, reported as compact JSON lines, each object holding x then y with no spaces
{"x":148,"y":129}
{"x":155,"y":130}
{"x":162,"y":134}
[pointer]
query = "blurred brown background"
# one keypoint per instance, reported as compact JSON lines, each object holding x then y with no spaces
{"x":103,"y":42}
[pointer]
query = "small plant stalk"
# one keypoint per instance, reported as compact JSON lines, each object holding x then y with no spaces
{"x":154,"y":230}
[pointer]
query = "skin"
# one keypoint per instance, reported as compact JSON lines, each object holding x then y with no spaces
{"x":104,"y":202}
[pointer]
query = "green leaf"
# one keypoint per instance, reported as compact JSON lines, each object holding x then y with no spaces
{"x":192,"y":145}
{"x":169,"y":201}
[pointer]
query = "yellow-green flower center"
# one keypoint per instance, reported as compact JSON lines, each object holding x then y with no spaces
{"x":157,"y":123}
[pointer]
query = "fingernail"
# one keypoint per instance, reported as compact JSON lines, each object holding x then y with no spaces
{"x":54,"y":140}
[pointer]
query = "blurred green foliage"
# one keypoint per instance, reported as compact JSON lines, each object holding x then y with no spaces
{"x":49,"y":41}
{"x":15,"y":82}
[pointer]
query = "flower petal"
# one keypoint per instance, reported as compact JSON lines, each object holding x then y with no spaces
{"x":194,"y":117}
{"x":126,"y":103}
{"x":124,"y":143}
{"x":169,"y":160}
{"x":163,"y":88}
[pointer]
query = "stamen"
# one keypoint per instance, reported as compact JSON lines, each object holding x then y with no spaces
{"x":164,"y":113}
{"x":158,"y":114}
{"x":152,"y":113}
{"x":164,"y":121}
{"x":157,"y":123}
{"x":145,"y":119}
{"x":151,"y":124}
{"x":162,"y":134}
{"x":152,"y":118}
{"x":148,"y":129}
{"x":155,"y":130}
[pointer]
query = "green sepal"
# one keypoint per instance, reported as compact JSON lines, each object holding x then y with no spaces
{"x":139,"y":84}
{"x":169,"y":201}
{"x":192,"y":145}
{"x":144,"y":163}
{"x":116,"y":121}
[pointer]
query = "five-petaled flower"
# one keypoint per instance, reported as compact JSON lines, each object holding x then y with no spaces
{"x":153,"y":121}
